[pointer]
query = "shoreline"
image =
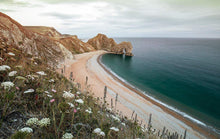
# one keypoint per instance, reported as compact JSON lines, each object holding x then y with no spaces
{"x":87,"y":65}
{"x":177,"y":115}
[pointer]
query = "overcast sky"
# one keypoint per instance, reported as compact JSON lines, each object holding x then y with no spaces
{"x":120,"y":18}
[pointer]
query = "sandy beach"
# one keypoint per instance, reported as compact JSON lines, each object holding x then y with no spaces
{"x":129,"y":100}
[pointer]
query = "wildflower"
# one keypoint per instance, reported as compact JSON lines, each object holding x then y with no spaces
{"x":4,"y":68}
{"x":78,"y":93}
{"x":1,"y":58}
{"x":68,"y":94}
{"x":47,"y":92}
{"x":52,"y":100}
{"x":79,"y":101}
{"x":29,"y":91}
{"x":32,"y":121}
{"x":41,"y":73}
{"x":7,"y":85}
{"x":102,"y":133}
{"x":115,"y":118}
{"x":53,"y":90}
{"x":75,"y":111}
{"x":30,"y":77}
{"x":123,"y":124}
{"x":44,"y":122}
{"x":11,"y":54}
{"x":71,"y":105}
{"x":99,"y":132}
{"x":17,"y":88}
{"x":26,"y":129}
{"x":20,"y":78}
{"x":49,"y":96}
{"x":67,"y":136}
{"x":89,"y":110}
{"x":12,"y":73}
{"x":114,"y":129}
{"x":51,"y":81}
{"x":19,"y":66}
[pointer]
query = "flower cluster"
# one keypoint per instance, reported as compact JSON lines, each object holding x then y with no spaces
{"x":26,"y":129}
{"x":115,"y":118}
{"x":32,"y":121}
{"x":12,"y":73}
{"x":7,"y":85}
{"x":79,"y":101}
{"x":68,"y":94}
{"x":89,"y":110}
{"x":44,"y":122}
{"x":4,"y":68}
{"x":114,"y":129}
{"x":41,"y":73}
{"x":67,"y":136}
{"x":29,"y":91}
{"x":99,"y":132}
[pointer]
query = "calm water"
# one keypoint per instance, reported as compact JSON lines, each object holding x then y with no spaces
{"x":183,"y":73}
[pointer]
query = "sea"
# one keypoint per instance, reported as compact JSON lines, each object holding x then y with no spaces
{"x":180,"y":73}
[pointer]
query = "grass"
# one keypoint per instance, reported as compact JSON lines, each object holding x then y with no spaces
{"x":61,"y":110}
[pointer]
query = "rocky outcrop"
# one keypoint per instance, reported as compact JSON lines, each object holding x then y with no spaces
{"x":13,"y":34}
{"x":46,"y":31}
{"x":101,"y":41}
{"x":75,"y":45}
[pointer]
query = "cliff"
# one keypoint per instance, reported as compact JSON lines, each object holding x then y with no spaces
{"x":101,"y":41}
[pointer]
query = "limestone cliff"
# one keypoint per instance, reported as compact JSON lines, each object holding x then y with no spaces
{"x":101,"y":41}
{"x":13,"y":34}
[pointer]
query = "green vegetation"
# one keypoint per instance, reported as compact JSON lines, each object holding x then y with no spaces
{"x":37,"y":102}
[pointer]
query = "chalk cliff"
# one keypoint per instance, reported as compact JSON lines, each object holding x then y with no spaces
{"x":101,"y":41}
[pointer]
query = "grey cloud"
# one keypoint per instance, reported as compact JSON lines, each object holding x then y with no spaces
{"x":61,"y":15}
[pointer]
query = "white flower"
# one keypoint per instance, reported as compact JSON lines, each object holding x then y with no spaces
{"x":68,"y":94}
{"x":35,"y":63}
{"x":41,"y":73}
{"x":115,"y":129}
{"x":67,"y":136}
{"x":78,"y":108}
{"x":7,"y":85}
{"x":29,"y":91}
{"x":47,"y":92}
{"x":51,"y":81}
{"x":4,"y":68}
{"x":11,"y":54}
{"x":49,"y":95}
{"x":115,"y":118}
{"x":32,"y":121}
{"x":79,"y":101}
{"x":98,"y":131}
{"x":1,"y":58}
{"x":44,"y":122}
{"x":26,"y":129}
{"x":89,"y":110}
{"x":102,"y":133}
{"x":12,"y":73}
{"x":71,"y":105}
{"x":30,"y":77}
{"x":78,"y":93}
{"x":123,"y":124}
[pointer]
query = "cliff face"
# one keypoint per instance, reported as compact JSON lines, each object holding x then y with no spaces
{"x":12,"y":34}
{"x":101,"y":41}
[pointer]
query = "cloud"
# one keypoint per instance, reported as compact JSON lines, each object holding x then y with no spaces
{"x":123,"y":18}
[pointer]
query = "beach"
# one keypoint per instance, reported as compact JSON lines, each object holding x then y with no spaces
{"x":129,"y":99}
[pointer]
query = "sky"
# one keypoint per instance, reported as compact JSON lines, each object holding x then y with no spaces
{"x":120,"y":18}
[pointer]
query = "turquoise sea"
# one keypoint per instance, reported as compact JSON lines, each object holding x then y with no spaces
{"x":182,"y":73}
